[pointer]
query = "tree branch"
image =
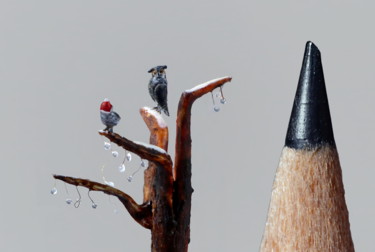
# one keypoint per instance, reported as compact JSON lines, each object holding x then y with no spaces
{"x":206,"y":87}
{"x":182,"y":169}
{"x":183,"y":138}
{"x":140,"y":213}
{"x":150,"y":152}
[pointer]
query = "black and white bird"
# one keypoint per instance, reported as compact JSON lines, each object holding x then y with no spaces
{"x":158,"y":88}
{"x":109,"y":117}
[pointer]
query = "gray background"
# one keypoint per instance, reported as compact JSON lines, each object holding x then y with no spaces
{"x":59,"y":59}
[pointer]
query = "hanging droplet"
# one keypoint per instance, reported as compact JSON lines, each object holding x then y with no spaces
{"x":115,"y":153}
{"x":93,"y":204}
{"x":54,"y":191}
{"x":216,"y":108}
{"x":107,"y":146}
{"x":68,"y":201}
{"x":129,"y":156}
{"x":122,"y":168}
{"x":143,"y":163}
{"x":110,"y":183}
{"x":130,"y":178}
{"x":222,"y":99}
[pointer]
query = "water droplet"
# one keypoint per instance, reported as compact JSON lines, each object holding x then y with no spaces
{"x":216,"y":108}
{"x":94,"y":205}
{"x":107,"y":146}
{"x":143,"y":163}
{"x":115,"y":153}
{"x":223,"y":101}
{"x":68,"y":201}
{"x":130,"y":178}
{"x":122,"y":168}
{"x":110,"y":183}
{"x":129,"y":156}
{"x":54,"y":191}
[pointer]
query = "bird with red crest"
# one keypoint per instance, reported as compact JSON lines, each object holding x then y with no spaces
{"x":109,"y":117}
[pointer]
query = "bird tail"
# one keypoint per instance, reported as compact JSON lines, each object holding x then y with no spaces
{"x":165,"y":110}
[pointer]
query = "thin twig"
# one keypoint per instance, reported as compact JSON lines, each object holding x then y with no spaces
{"x":140,"y":213}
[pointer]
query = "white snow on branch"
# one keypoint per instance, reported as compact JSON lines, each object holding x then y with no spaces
{"x":203,"y":85}
{"x":151,"y":146}
{"x":157,"y":115}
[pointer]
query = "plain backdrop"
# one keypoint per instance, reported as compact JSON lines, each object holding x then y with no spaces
{"x":60,"y":59}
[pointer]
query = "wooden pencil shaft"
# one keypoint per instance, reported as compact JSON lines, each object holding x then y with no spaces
{"x":308,"y":210}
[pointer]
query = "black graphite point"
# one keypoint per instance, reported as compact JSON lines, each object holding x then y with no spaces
{"x":310,"y":123}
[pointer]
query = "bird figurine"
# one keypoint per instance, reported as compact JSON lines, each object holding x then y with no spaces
{"x":109,"y":117}
{"x":158,"y":88}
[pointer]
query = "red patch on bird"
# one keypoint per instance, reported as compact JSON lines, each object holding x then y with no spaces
{"x":106,"y":106}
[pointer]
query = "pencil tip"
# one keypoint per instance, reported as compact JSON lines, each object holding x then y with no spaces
{"x":310,"y":123}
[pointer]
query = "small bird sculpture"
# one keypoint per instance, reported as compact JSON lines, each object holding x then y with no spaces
{"x":108,"y":116}
{"x":158,"y":88}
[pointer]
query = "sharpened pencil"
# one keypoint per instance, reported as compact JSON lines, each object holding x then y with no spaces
{"x":307,"y":211}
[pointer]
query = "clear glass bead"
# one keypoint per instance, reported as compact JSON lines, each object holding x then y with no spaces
{"x":107,"y":146}
{"x":143,"y":163}
{"x":129,"y":156}
{"x":54,"y":191}
{"x":122,"y":168}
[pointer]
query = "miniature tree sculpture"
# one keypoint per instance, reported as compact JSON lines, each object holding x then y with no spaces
{"x":167,"y":188}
